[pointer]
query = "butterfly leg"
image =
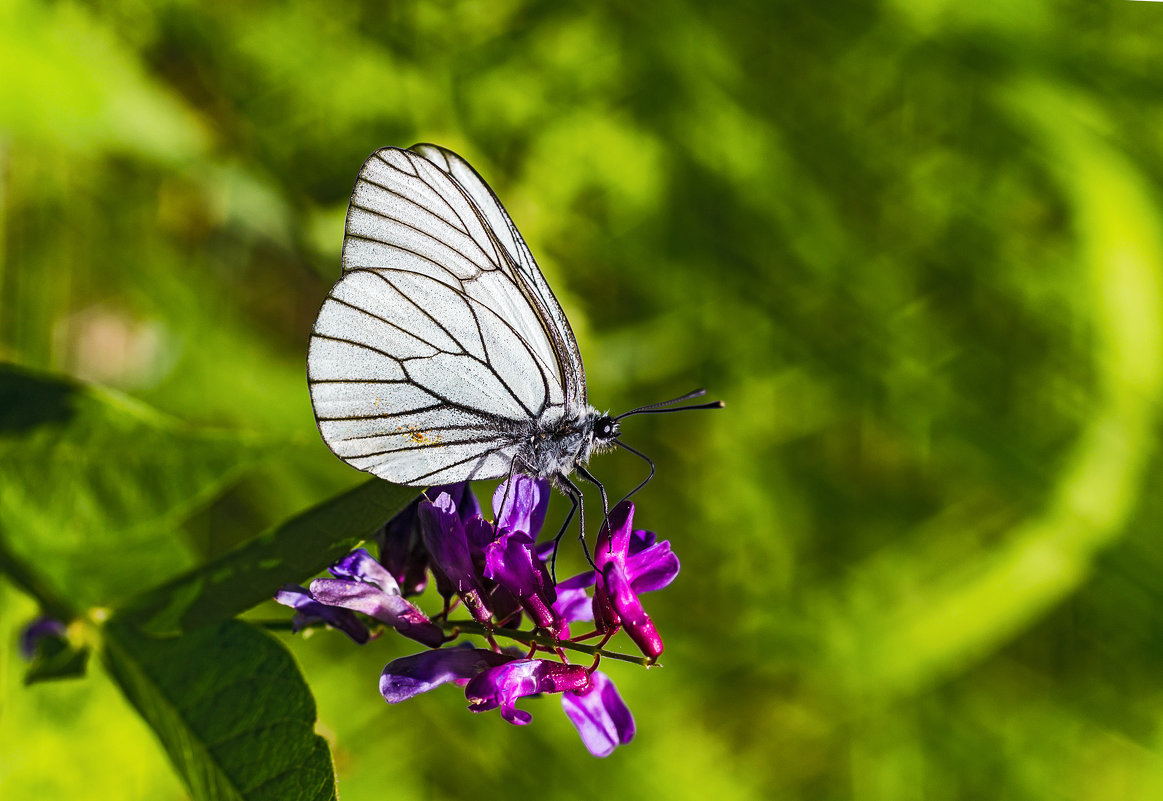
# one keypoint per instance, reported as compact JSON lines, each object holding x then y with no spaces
{"x":573,"y":496}
{"x":588,"y":476}
{"x":579,"y":500}
{"x":505,"y":500}
{"x":646,"y":459}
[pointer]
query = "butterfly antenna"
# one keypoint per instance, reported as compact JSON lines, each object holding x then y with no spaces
{"x":658,"y":408}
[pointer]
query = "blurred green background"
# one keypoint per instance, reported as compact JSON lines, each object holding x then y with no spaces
{"x":915,"y":245}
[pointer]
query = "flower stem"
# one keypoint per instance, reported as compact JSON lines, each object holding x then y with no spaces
{"x":537,"y":638}
{"x":527,"y":637}
{"x":272,"y":625}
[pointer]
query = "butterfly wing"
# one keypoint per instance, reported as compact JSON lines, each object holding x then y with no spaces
{"x":501,"y":225}
{"x":430,"y":356}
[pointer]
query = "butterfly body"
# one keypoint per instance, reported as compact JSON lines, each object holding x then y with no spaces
{"x":556,"y":448}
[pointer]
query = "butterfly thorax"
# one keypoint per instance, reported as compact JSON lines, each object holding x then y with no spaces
{"x":555,"y":447}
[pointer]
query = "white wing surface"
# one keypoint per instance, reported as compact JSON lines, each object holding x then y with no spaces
{"x":434,"y":352}
{"x":557,"y":326}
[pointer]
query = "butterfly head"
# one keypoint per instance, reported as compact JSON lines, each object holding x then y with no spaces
{"x":605,"y":429}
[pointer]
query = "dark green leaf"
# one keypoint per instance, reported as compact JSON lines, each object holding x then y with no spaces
{"x":93,"y":484}
{"x":231,"y":709}
{"x":290,"y":552}
{"x":56,"y":659}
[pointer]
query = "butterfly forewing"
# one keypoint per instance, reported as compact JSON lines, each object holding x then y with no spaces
{"x":557,"y":328}
{"x":441,"y":343}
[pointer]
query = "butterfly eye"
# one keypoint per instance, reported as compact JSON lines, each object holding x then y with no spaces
{"x":605,"y":428}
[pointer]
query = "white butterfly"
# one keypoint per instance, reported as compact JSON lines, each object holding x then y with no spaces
{"x":442,"y":355}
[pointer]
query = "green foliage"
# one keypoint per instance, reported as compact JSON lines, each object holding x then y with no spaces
{"x":73,"y":739}
{"x":291,"y":552}
{"x":915,"y":245}
{"x":231,"y":709}
{"x":94,"y":484}
{"x":57,"y":659}
{"x":226,"y":701}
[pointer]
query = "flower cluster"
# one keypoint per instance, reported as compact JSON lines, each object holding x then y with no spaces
{"x":497,"y":571}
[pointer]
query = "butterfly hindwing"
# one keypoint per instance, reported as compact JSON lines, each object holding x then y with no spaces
{"x":403,"y":393}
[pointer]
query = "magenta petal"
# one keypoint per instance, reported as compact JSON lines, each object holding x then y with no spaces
{"x":447,"y":544}
{"x":503,"y":686}
{"x":630,"y":612}
{"x":309,"y":611}
{"x":479,"y":533}
{"x":573,"y":605}
{"x":653,"y":568}
{"x":579,"y":582}
{"x":445,"y":539}
{"x":386,"y":607}
{"x":600,"y":715}
{"x":462,"y":498}
{"x":605,"y":615}
{"x":512,"y":562}
{"x":520,"y":504}
{"x":360,"y":566}
{"x":402,"y":552}
{"x":412,"y":675}
{"x":641,"y":539}
{"x":614,"y":539}
{"x":545,"y":550}
{"x":518,"y":717}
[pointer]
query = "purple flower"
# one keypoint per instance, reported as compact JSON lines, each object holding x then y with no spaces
{"x":36,"y":632}
{"x":649,"y":565}
{"x":447,"y":543}
{"x":600,"y":715}
{"x":512,"y":562}
{"x":572,"y":604}
{"x":619,"y":604}
{"x":629,"y":563}
{"x":503,"y":685}
{"x":308,"y":612}
{"x":402,"y":549}
{"x":467,"y":505}
{"x":499,"y":572}
{"x":409,"y":676}
{"x":520,"y":504}
{"x":364,"y":585}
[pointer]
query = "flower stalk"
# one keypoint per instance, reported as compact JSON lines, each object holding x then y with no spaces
{"x":543,"y":640}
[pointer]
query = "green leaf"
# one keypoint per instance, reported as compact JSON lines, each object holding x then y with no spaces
{"x":93,"y":484}
{"x":288,"y":553}
{"x":56,"y":659}
{"x":231,"y":709}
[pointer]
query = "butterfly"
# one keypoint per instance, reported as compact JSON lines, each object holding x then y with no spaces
{"x":441,"y":354}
